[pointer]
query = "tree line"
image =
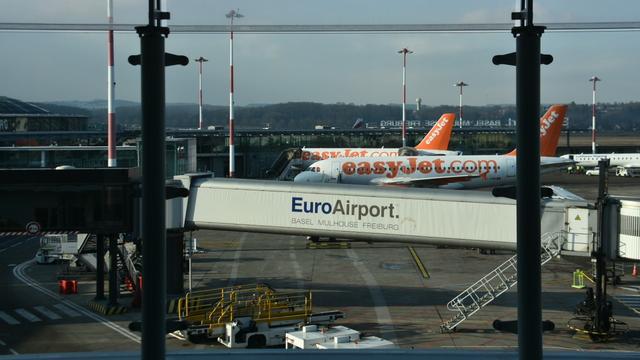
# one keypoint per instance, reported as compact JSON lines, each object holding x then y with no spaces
{"x":305,"y":115}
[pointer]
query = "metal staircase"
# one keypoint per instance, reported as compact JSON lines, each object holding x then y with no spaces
{"x":127,"y":269}
{"x":495,"y":283}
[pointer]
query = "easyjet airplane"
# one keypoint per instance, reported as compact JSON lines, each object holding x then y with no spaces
{"x":292,"y":161}
{"x":457,"y":172}
{"x":436,"y":142}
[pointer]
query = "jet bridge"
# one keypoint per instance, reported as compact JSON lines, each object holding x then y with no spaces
{"x":386,"y":214}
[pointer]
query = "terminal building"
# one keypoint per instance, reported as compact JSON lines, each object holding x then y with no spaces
{"x":17,"y":116}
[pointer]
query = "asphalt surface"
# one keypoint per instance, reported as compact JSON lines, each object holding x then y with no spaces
{"x":378,"y":286}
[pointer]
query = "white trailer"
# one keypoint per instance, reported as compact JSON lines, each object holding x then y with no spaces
{"x":243,"y":332}
{"x":334,"y":337}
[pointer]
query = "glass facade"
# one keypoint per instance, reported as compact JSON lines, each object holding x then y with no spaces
{"x":180,"y":155}
{"x":76,"y":156}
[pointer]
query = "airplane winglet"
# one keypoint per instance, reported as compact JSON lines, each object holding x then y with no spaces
{"x":550,"y":127}
{"x":439,"y":135}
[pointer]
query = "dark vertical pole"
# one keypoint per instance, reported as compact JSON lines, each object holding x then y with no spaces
{"x":175,"y":263}
{"x":528,"y":187}
{"x":601,"y":317}
{"x":153,"y":198}
{"x":527,"y":60}
{"x":528,"y":193}
{"x":154,"y":297}
{"x":100,"y":267}
{"x":113,"y":270}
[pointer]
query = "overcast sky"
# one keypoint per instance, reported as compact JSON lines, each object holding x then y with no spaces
{"x":328,"y":68}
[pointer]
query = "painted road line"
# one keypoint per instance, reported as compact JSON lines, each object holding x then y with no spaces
{"x":296,"y":265}
{"x":48,"y":313}
{"x":8,"y":318}
{"x":630,"y":301}
{"x":236,"y":261}
{"x":67,"y":311}
{"x":19,"y":273}
{"x":27,"y":315}
{"x":380,"y":304}
{"x":421,"y":267}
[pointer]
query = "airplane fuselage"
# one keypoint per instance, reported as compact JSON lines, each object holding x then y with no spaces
{"x":591,"y":160}
{"x":456,"y":172}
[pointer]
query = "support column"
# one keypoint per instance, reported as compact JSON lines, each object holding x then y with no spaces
{"x":113,"y":270}
{"x":528,"y":191}
{"x":527,"y":60}
{"x":175,"y":263}
{"x":99,"y":267}
{"x":154,"y":252}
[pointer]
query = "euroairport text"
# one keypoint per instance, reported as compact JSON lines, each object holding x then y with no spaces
{"x":331,"y":214}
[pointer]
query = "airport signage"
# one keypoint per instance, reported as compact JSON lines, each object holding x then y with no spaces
{"x":344,"y":213}
{"x":33,"y":227}
{"x":465,"y":123}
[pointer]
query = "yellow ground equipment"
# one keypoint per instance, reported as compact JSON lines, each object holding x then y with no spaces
{"x":208,"y":312}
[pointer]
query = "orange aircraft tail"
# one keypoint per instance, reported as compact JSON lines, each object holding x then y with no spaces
{"x":550,"y":127}
{"x":439,"y":135}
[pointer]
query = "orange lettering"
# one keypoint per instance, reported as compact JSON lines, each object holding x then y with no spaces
{"x":484,"y":167}
{"x":425,"y":167}
{"x":438,"y":166}
{"x":349,"y":168}
{"x":472,"y":166}
{"x":394,"y":166}
{"x":412,"y":166}
{"x":455,"y":166}
{"x":364,"y":168}
{"x":378,"y":167}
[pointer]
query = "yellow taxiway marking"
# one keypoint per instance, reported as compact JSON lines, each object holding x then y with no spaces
{"x":421,"y":267}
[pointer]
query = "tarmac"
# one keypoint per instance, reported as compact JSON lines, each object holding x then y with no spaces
{"x":379,"y":286}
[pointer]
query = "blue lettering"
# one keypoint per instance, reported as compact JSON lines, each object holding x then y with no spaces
{"x":296,"y":202}
{"x":326,"y":208}
{"x":299,"y":205}
{"x":307,"y":209}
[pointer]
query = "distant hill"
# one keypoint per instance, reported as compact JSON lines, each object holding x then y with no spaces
{"x":94,"y":104}
{"x":64,"y":109}
{"x":305,"y":115}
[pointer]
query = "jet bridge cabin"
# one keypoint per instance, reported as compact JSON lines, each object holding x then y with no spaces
{"x":429,"y":216}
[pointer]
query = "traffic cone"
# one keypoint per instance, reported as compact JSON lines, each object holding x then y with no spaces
{"x":634,"y":272}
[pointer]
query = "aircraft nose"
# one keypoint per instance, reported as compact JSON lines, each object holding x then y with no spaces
{"x":313,"y":177}
{"x":307,"y":176}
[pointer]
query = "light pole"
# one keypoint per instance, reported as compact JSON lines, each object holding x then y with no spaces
{"x":200,"y":60}
{"x":461,"y":84}
{"x":232,"y":161}
{"x":111,"y":89}
{"x":404,"y":52}
{"x":593,"y":79}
